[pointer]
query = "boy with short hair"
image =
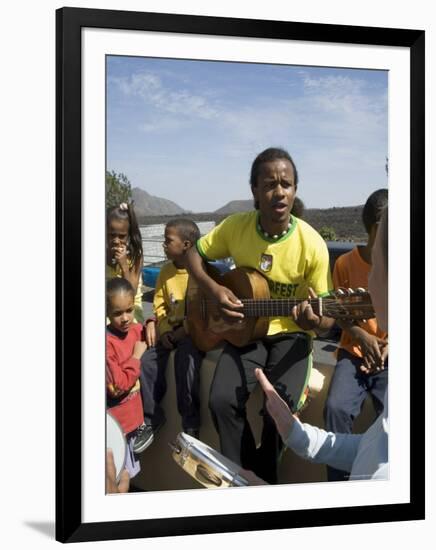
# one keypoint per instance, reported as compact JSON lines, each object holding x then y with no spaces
{"x":169,"y":307}
{"x":361,"y":366}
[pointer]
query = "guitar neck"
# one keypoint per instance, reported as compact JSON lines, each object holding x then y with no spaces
{"x":209,"y":325}
{"x":277,"y":307}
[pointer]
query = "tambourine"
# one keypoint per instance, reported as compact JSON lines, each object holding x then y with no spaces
{"x":116,"y":441}
{"x":204,"y":464}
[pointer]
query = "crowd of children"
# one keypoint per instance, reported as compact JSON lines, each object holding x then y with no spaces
{"x":137,"y":350}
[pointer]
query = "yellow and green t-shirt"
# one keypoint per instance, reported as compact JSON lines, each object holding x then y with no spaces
{"x":291,"y":264}
{"x":169,"y":297}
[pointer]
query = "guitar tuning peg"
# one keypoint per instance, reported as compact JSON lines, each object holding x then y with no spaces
{"x":360,"y":290}
{"x":340,"y":292}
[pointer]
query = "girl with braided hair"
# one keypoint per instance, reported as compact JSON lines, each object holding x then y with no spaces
{"x":124,"y":255}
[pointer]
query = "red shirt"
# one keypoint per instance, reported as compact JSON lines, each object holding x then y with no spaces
{"x":122,"y":378}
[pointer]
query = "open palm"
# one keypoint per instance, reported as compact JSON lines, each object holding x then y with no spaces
{"x":276,"y":407}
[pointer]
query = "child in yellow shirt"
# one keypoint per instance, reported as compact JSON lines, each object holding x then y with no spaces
{"x":169,"y":308}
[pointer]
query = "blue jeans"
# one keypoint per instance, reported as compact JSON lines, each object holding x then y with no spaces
{"x":348,"y":390}
{"x":187,"y":362}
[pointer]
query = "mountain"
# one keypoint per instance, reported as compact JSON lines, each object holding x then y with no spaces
{"x":236,"y":206}
{"x":148,"y":205}
{"x":346,"y":221}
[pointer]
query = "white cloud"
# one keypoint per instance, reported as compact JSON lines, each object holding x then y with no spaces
{"x":161,"y":124}
{"x":334,"y":126}
{"x":339,"y":107}
{"x":351,"y":98}
{"x":150,"y":88}
{"x":339,"y":110}
{"x":333,"y":83}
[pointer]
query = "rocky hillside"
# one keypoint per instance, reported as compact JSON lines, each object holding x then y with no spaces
{"x":235,"y":206}
{"x":346,"y":221}
{"x":148,"y":205}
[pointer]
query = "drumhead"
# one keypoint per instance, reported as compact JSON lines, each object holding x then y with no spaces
{"x":206,"y":465}
{"x":116,"y":441}
{"x":222,"y":463}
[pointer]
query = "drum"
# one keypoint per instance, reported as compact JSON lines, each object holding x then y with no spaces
{"x":116,"y":441}
{"x":207,"y":466}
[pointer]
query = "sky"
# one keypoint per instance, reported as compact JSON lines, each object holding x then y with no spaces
{"x":189,"y":130}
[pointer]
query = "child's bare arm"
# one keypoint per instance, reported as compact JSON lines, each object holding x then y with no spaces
{"x":139,"y":349}
{"x":160,"y":306}
{"x":151,"y":335}
{"x":374,"y":349}
{"x":370,"y":368}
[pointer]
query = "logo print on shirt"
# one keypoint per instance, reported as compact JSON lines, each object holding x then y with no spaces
{"x":266,"y":261}
{"x":172,"y":313}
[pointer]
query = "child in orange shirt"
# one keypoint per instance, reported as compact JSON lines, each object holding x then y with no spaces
{"x":361,"y":366}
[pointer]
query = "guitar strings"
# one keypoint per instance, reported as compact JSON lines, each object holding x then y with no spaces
{"x":281,"y":307}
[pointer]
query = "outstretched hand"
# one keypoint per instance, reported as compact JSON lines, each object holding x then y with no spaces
{"x":276,"y":406}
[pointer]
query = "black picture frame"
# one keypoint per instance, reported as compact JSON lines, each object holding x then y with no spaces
{"x":69,"y":22}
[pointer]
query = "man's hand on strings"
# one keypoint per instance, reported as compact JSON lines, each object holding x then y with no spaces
{"x":230,"y":306}
{"x":304,"y":315}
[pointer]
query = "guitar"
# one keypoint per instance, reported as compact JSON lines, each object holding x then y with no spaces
{"x":208,"y":328}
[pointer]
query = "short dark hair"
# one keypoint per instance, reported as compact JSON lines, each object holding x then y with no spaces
{"x":187,"y":229}
{"x":374,"y":206}
{"x":268,"y":155}
{"x":117,"y":285}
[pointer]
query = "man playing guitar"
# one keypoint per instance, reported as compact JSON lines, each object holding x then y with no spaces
{"x":294,"y":259}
